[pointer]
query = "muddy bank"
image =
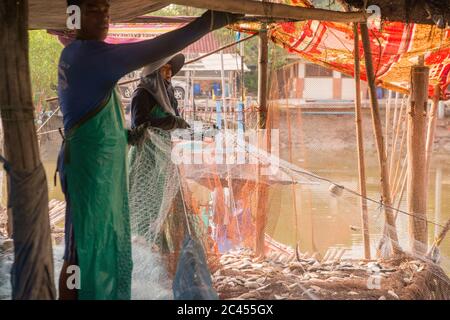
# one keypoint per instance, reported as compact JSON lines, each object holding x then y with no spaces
{"x":336,"y":132}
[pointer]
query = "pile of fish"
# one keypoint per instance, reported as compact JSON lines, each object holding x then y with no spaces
{"x":281,"y":277}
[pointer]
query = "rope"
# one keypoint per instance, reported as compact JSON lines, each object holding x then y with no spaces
{"x":57,"y":109}
{"x":414,"y":214}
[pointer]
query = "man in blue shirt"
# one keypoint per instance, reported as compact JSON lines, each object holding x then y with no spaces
{"x":92,"y":161}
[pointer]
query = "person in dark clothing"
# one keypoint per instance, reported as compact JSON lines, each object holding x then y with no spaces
{"x":153,"y":107}
{"x":153,"y":102}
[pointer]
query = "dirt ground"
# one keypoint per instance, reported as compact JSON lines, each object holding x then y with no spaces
{"x":337,"y":132}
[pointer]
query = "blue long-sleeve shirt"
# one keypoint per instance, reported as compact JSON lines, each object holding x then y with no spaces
{"x":88,"y":69}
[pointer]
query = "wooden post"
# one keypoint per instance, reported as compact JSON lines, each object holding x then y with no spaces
{"x":378,"y":132}
{"x":34,"y":276}
{"x":416,"y":144}
{"x":262,"y":190}
{"x":360,"y":143}
{"x":262,"y":77}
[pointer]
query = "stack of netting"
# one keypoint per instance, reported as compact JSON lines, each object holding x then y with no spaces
{"x":175,"y":180}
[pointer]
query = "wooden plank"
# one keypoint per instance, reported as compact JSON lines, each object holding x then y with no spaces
{"x":273,"y":10}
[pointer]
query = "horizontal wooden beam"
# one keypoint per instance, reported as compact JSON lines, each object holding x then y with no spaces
{"x":273,"y":10}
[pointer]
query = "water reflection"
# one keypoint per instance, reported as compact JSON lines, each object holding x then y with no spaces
{"x":322,"y":221}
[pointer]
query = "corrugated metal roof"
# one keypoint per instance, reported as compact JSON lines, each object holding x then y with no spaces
{"x":207,"y":44}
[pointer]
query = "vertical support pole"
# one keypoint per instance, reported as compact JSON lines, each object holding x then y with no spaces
{"x":437,"y":199}
{"x":378,"y":132}
{"x":441,"y":110}
{"x":262,"y":76}
{"x":387,"y":110}
{"x":192,"y":75}
{"x":431,"y":130}
{"x":360,"y":143}
{"x":222,"y":78}
{"x":439,"y":235}
{"x":243,"y":81}
{"x":186,"y":94}
{"x":416,"y":146}
{"x":262,"y":190}
{"x":32,"y":274}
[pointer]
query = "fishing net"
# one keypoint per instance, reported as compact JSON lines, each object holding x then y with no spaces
{"x":313,"y":218}
{"x":227,"y":181}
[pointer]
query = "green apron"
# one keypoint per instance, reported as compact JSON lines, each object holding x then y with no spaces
{"x":96,"y":172}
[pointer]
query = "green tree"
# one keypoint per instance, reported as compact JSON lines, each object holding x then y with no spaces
{"x":44,"y":53}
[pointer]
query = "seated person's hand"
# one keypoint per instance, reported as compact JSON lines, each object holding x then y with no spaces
{"x":137,"y":135}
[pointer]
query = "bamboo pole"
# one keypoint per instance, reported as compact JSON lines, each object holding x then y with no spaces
{"x":394,"y":126}
{"x":360,"y":144}
{"x":222,"y":80}
{"x":439,"y":236}
{"x":274,"y":10}
{"x":416,"y":146}
{"x":400,"y":150}
{"x":432,"y":117}
{"x":396,"y":101}
{"x":33,"y":269}
{"x":388,"y":119}
{"x":399,"y":179}
{"x":242,"y":54}
{"x":262,"y":76}
{"x":402,"y":192}
{"x":397,"y":125}
{"x":262,"y":190}
{"x":378,"y":132}
{"x":437,"y":199}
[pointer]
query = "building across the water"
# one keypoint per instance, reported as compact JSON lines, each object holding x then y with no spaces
{"x":302,"y":82}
